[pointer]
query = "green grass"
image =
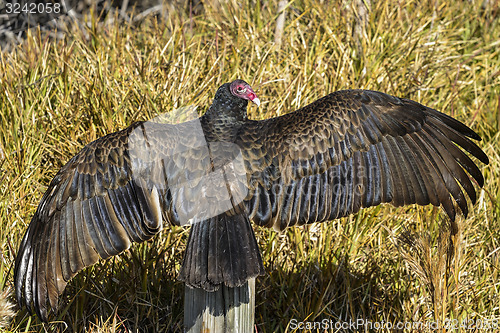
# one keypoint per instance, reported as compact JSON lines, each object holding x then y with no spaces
{"x":382,"y":264}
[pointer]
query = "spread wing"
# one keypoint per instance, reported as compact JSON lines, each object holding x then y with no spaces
{"x":112,"y":193}
{"x":354,"y":149}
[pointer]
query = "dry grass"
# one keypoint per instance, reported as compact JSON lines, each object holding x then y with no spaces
{"x":6,"y":308}
{"x":383,"y":264}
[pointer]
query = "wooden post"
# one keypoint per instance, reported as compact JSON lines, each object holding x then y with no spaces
{"x":224,"y":310}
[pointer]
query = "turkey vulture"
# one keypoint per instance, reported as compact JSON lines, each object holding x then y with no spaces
{"x":347,"y":150}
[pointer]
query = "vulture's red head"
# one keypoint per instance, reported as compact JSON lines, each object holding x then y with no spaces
{"x":241,"y":89}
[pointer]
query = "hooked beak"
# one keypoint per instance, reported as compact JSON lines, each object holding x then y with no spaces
{"x":253,"y":97}
{"x":256,"y":101}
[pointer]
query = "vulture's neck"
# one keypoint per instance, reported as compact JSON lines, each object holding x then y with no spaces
{"x":223,"y":120}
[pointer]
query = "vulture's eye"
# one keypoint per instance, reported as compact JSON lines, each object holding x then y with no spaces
{"x":240,"y":89}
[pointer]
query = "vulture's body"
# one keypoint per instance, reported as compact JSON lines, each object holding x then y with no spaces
{"x":348,"y":150}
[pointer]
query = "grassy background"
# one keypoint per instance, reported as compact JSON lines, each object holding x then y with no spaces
{"x":381,"y":264}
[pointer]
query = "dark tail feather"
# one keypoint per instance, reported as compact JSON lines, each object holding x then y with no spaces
{"x":222,"y":249}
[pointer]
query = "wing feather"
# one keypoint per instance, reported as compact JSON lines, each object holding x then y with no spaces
{"x":354,"y":149}
{"x":94,"y":208}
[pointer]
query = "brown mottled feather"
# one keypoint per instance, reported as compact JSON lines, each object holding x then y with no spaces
{"x":395,"y":150}
{"x":79,"y":220}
